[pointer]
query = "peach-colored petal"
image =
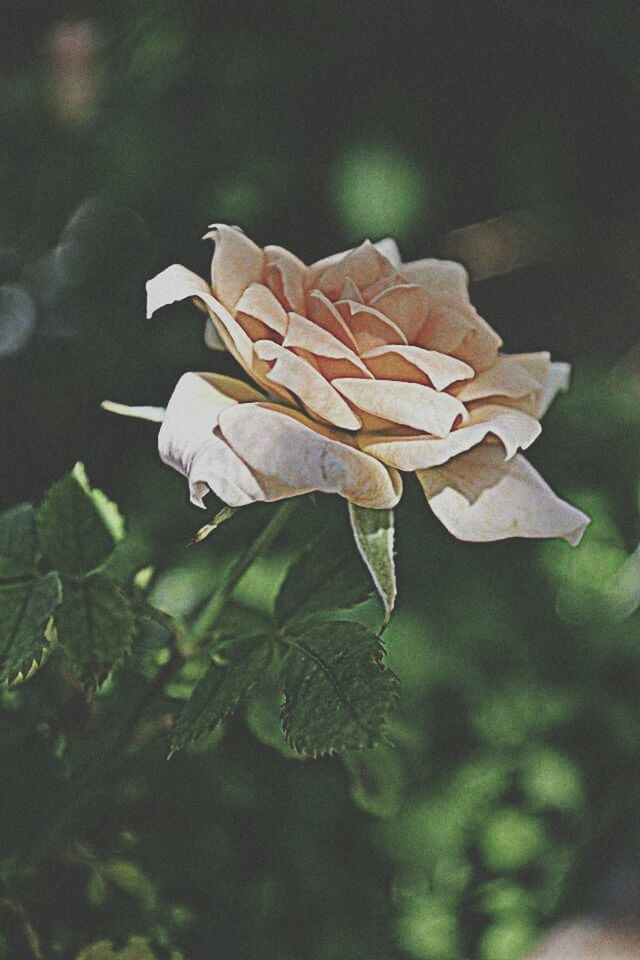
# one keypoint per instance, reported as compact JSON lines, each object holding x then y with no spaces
{"x":212,"y":338}
{"x":237,"y":263}
{"x":440,"y":278}
{"x":305,"y":382}
{"x":285,"y":445}
{"x":366,"y":266}
{"x":557,"y":382}
{"x":286,"y":277}
{"x":187,"y":440}
{"x":154,"y":414}
{"x":324,"y":313}
{"x":515,"y":375}
{"x":400,"y":362}
{"x":260,"y":304}
{"x":406,"y":305}
{"x":310,"y":336}
{"x":480,"y":346}
{"x":412,"y":404}
{"x":387,"y":247}
{"x":370,"y":328}
{"x":479,"y":496}
{"x":515,"y":430}
{"x":351,"y":291}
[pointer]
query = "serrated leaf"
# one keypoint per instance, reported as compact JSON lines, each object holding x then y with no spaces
{"x":373,"y":532}
{"x":78,"y":526}
{"x":219,"y":692}
{"x":338,"y":692}
{"x":327,"y":575}
{"x":19,"y":546}
{"x":95,"y":626}
{"x":25,"y":610}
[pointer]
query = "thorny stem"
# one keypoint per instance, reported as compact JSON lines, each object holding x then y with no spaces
{"x":204,"y":623}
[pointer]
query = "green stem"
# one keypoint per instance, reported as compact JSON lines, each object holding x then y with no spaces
{"x":211,"y":612}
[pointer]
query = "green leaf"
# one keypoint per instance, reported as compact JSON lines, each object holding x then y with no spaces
{"x":25,"y":611}
{"x":219,"y":692}
{"x":338,"y":692}
{"x":373,"y":532}
{"x":327,"y":575}
{"x":19,"y":547}
{"x":95,"y":626}
{"x":377,"y":780}
{"x":78,"y":526}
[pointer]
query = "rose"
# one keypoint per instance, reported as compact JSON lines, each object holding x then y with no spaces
{"x":364,"y":367}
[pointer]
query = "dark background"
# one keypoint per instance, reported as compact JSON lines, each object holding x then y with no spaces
{"x":125,"y":129}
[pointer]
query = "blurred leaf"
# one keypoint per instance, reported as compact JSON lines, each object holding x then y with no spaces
{"x":377,"y":780}
{"x":220,"y":691}
{"x":338,"y":693}
{"x":17,"y":319}
{"x":136,"y":949}
{"x":25,"y":611}
{"x":263,"y":718}
{"x":326,"y":576}
{"x":373,"y":532}
{"x":95,"y":626}
{"x":512,"y":839}
{"x":78,"y":526}
{"x":19,"y":548}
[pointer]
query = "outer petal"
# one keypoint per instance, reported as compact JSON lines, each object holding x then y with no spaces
{"x":400,"y":362}
{"x":259,"y":303}
{"x":154,"y":414}
{"x":411,"y":404}
{"x":439,"y":277}
{"x":557,"y":382}
{"x":479,"y":496}
{"x":237,"y":263}
{"x":306,"y":383}
{"x":189,"y":442}
{"x":514,"y":375}
{"x":286,"y":277}
{"x":278,"y":443}
{"x":515,"y":430}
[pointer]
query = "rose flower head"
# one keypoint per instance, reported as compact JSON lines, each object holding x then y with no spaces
{"x":362,"y":368}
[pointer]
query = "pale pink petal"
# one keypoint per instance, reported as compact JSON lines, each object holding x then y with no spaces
{"x":305,"y":382}
{"x":370,"y":328}
{"x":440,"y":278}
{"x":189,"y":442}
{"x":259,"y":302}
{"x":515,"y":430}
{"x":324,"y":313}
{"x":412,"y":404}
{"x":557,"y":382}
{"x":389,"y":249}
{"x":154,"y":414}
{"x":515,"y":375}
{"x":310,"y":336}
{"x":406,"y":305}
{"x":400,"y":362}
{"x":286,"y":277}
{"x":479,"y":496}
{"x":295,"y":451}
{"x":212,"y":338}
{"x":237,"y":263}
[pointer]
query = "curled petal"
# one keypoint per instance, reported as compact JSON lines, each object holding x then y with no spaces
{"x":406,"y":305}
{"x":189,"y":442}
{"x":154,"y":414}
{"x":515,"y":375}
{"x":326,"y":315}
{"x":237,"y":263}
{"x":285,"y":445}
{"x":259,"y":303}
{"x":411,"y":404}
{"x":304,"y":334}
{"x":557,"y":382}
{"x":515,"y":430}
{"x":370,"y":327}
{"x":479,"y":496}
{"x":173,"y":284}
{"x":454,"y":327}
{"x":305,"y":382}
{"x":400,"y":362}
{"x":440,"y":278}
{"x":286,"y":277}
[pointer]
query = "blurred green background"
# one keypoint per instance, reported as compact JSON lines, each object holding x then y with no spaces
{"x":511,"y":797}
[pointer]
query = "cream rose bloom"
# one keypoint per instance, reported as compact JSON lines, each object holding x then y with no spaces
{"x":363,"y":367}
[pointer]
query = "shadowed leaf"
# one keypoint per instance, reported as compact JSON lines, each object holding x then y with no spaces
{"x":25,"y":611}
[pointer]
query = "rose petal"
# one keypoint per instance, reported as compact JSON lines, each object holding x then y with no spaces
{"x":387,"y":247}
{"x":260,"y":303}
{"x":440,"y":278}
{"x":515,"y":430}
{"x":515,"y":375}
{"x":454,"y":327}
{"x":154,"y":414}
{"x":315,"y":393}
{"x":366,"y":266}
{"x":309,"y":336}
{"x":479,"y":496}
{"x":187,"y":441}
{"x":557,"y":382}
{"x":400,"y":362}
{"x":406,"y":305}
{"x":285,"y":445}
{"x":324,"y":313}
{"x":409,"y":403}
{"x":237,"y":263}
{"x":370,"y":328}
{"x":286,"y":277}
